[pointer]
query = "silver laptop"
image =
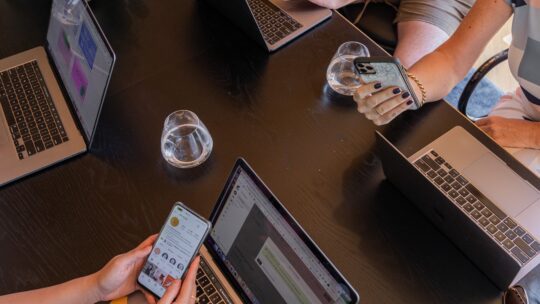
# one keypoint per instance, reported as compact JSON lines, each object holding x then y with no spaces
{"x":485,"y":207}
{"x":256,"y":252}
{"x":38,"y":127}
{"x":273,"y":23}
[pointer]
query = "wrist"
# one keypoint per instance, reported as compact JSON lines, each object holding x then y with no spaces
{"x":535,"y":135}
{"x":93,"y":289}
{"x":418,"y":88}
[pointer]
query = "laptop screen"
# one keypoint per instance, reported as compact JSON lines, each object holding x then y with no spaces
{"x":84,"y":60}
{"x":266,"y":252}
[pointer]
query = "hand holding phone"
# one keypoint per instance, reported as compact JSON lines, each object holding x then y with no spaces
{"x":180,"y":292}
{"x":176,"y":247}
{"x":386,"y":91}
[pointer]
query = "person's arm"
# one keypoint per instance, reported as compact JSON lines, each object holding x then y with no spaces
{"x":116,"y":279}
{"x":513,"y":133}
{"x":81,"y":290}
{"x":334,"y":4}
{"x":441,"y":70}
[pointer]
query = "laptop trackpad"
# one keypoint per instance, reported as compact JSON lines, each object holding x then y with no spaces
{"x":529,"y":219}
{"x":501,"y":184}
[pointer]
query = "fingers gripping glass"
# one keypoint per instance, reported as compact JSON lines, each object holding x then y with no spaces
{"x":341,"y":73}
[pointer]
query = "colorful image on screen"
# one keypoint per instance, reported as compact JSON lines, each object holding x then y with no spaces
{"x":79,"y":79}
{"x":87,"y":45}
{"x":64,"y":47}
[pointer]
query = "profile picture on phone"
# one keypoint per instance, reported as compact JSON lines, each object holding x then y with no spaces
{"x":174,"y":221}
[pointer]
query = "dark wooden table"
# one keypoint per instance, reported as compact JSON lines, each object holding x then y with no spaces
{"x":317,"y":154}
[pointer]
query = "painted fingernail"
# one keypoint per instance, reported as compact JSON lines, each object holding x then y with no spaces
{"x":378,"y":85}
{"x":409,"y":102}
{"x":396,"y":91}
{"x":405,"y":95}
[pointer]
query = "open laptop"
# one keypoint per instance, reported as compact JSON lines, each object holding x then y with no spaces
{"x":38,"y":127}
{"x":256,"y":252}
{"x":489,"y":211}
{"x":273,"y":23}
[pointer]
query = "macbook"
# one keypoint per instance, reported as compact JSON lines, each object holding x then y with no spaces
{"x":257,"y":252}
{"x":273,"y":23}
{"x":38,"y":127}
{"x":473,"y":196}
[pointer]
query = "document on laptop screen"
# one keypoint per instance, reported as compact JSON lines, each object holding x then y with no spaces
{"x":266,"y":256}
{"x":84,"y":63}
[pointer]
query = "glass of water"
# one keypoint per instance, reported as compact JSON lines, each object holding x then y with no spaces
{"x":341,"y":74}
{"x":68,"y":12}
{"x":185,"y":142}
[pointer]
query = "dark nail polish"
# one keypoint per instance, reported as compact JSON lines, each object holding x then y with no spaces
{"x":405,"y":95}
{"x":378,"y":85}
{"x":409,"y":102}
{"x":396,"y":91}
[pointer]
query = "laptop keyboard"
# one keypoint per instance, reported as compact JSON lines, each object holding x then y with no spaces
{"x":510,"y":236}
{"x":31,"y":115}
{"x":274,"y":23}
{"x":209,"y":289}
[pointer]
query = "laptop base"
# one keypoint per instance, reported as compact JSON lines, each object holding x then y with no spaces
{"x":501,"y":267}
{"x":11,"y":167}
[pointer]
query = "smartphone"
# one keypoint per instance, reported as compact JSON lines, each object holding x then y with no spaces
{"x":177,"y":245}
{"x":386,"y":70}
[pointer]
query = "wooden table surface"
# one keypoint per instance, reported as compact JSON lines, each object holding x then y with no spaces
{"x":315,"y":152}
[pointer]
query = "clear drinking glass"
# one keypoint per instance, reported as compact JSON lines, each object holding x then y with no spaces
{"x":185,"y":142}
{"x":341,"y":74}
{"x":68,"y":12}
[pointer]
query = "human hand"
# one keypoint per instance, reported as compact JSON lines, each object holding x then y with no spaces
{"x":118,"y":277}
{"x":179,"y":292}
{"x":514,"y":133}
{"x":381,"y":105}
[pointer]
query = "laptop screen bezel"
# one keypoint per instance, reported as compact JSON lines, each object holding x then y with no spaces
{"x":73,"y":107}
{"x":325,"y":261}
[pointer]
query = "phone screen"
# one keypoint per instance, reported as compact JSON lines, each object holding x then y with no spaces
{"x":177,"y":244}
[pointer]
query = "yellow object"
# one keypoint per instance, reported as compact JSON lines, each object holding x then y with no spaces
{"x":420,"y":86}
{"x":175,"y":221}
{"x":123,"y":300}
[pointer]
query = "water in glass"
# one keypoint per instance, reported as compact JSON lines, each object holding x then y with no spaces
{"x":341,"y":73}
{"x":185,"y":142}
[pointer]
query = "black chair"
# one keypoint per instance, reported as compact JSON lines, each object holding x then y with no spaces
{"x":477,"y":77}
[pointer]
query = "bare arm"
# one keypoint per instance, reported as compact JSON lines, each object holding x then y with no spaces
{"x":334,"y":4}
{"x":116,"y":279}
{"x":441,"y":70}
{"x":81,"y":290}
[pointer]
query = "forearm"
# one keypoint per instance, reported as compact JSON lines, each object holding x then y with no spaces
{"x":438,"y":75}
{"x":334,"y":4}
{"x":441,"y":70}
{"x":535,"y":136}
{"x":82,"y":290}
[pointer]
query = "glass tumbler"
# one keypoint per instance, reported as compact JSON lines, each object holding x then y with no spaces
{"x":185,"y":141}
{"x":68,"y":12}
{"x":341,"y":73}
